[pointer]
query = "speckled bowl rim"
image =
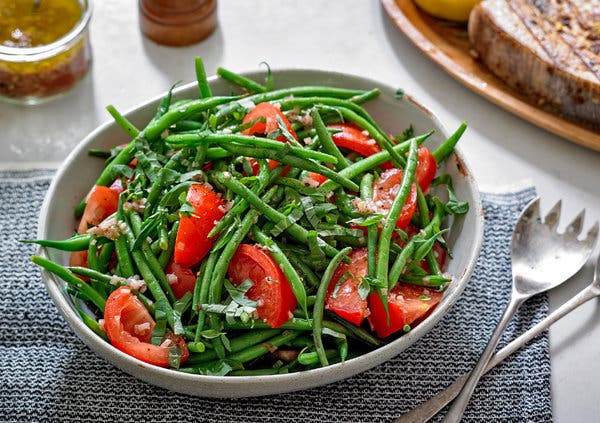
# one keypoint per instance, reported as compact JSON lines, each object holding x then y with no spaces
{"x":245,"y":386}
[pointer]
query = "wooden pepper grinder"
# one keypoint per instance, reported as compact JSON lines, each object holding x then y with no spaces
{"x":178,"y":22}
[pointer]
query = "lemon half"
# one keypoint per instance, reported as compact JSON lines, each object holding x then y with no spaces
{"x":454,"y":10}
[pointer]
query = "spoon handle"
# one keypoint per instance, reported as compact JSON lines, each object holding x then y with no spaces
{"x":430,"y":408}
{"x":460,"y":404}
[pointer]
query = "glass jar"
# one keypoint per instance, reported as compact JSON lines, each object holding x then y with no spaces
{"x":32,"y":75}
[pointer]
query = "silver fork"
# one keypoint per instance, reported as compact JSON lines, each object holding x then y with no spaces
{"x":430,"y":408}
{"x":541,"y":259}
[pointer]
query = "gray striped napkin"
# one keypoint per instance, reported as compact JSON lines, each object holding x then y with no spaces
{"x":47,"y":374}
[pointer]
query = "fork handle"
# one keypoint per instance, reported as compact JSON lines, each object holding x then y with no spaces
{"x":460,"y":404}
{"x":430,"y":408}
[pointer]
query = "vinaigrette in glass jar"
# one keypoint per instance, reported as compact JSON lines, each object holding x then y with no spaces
{"x":44,"y":48}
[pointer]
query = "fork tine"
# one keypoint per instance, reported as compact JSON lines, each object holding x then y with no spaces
{"x":532,"y":211}
{"x":575,"y":226}
{"x":592,"y":234}
{"x":597,"y":269}
{"x":551,"y":219}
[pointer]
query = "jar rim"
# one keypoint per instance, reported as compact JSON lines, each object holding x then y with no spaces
{"x":29,"y":54}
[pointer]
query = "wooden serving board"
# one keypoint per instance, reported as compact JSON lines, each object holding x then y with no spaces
{"x":447,"y":44}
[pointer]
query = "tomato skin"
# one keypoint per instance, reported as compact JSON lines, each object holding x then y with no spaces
{"x":270,"y":113}
{"x":317,"y":177}
{"x":192,"y":242}
{"x":385,"y":190}
{"x":404,"y":305}
{"x":353,"y":138}
{"x":186,"y":279}
{"x":426,"y":169}
{"x":101,"y":202}
{"x":347,"y":302}
{"x":123,"y":313}
{"x":271,"y":289}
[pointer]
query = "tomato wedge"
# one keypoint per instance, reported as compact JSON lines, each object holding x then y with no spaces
{"x":317,"y":177}
{"x":426,"y":169}
{"x":269,"y":113}
{"x":100,"y":203}
{"x":352,"y":137}
{"x":192,"y":242}
{"x":344,"y":299}
{"x":385,"y":190}
{"x":406,"y":304}
{"x":129,"y":328}
{"x":270,"y":289}
{"x":186,"y":279}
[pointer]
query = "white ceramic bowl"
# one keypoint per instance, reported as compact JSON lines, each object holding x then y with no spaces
{"x":79,"y":171}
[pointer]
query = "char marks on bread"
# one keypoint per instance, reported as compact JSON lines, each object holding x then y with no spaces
{"x":548,"y":50}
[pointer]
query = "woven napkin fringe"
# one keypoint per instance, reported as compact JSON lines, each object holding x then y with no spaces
{"x":48,"y":375}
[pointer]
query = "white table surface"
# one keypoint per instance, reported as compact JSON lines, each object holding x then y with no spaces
{"x":354,"y":36}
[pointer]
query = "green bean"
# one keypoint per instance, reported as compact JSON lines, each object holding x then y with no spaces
{"x":366,"y":96}
{"x":289,"y":103}
{"x":72,"y":281}
{"x":105,"y":256}
{"x":366,"y":193}
{"x":306,"y":272}
{"x":152,"y":282}
{"x":166,"y":254}
{"x":125,"y":264}
{"x":371,"y":162}
{"x":203,"y":86}
{"x":305,"y":91}
{"x":293,"y":161}
{"x":164,"y":104}
{"x":123,"y":122}
{"x":155,"y":128}
{"x":308,"y":358}
{"x":123,"y":158}
{"x":285,"y":266}
{"x":193,"y":139}
{"x":153,"y":264}
{"x":319,"y":306}
{"x":400,"y":263}
{"x":216,"y":153}
{"x":295,"y":230}
{"x":202,"y":297}
{"x":240,"y":204}
{"x":236,"y":344}
{"x":424,"y":221}
{"x":156,"y":189}
{"x":326,"y":140}
{"x":92,"y":257}
{"x":241,"y":81}
{"x":77,"y":242}
{"x":255,"y":351}
{"x":444,"y":150}
{"x":385,"y":237}
{"x":188,"y":125}
{"x":91,"y":323}
{"x":356,"y":332}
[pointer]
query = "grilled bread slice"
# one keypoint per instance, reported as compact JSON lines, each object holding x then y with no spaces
{"x":549,"y":50}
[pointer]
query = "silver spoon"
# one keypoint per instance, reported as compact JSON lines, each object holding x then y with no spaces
{"x":541,"y":260}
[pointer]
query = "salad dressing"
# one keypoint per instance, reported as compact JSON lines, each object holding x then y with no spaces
{"x":40,"y":55}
